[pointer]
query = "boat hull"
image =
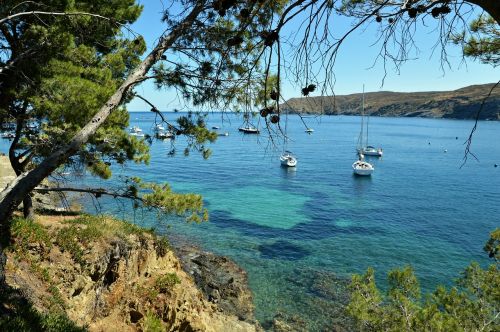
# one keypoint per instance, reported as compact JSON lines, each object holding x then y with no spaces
{"x":249,"y":131}
{"x":288,"y":160}
{"x":362,"y":168}
{"x":376,"y":153}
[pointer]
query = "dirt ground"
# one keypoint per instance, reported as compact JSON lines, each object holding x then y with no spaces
{"x":6,"y":172}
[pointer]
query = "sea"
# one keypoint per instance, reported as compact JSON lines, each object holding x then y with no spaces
{"x":300,"y":233}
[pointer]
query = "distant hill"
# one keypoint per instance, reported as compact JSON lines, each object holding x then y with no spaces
{"x":458,"y":104}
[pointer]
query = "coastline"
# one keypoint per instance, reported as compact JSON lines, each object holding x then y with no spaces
{"x":122,"y":276}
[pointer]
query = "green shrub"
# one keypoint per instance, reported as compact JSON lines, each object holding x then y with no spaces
{"x":166,"y":282}
{"x":68,"y":240}
{"x":27,"y":232}
{"x":162,"y":246}
{"x":152,"y":323}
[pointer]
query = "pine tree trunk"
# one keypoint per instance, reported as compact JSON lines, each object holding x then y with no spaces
{"x":28,"y":209}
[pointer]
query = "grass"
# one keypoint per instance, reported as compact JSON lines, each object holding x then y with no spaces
{"x":152,"y":323}
{"x":166,"y":282}
{"x":27,"y":232}
{"x":82,"y":231}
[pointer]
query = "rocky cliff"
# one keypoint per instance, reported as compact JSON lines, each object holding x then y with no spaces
{"x":458,"y":104}
{"x":106,"y":275}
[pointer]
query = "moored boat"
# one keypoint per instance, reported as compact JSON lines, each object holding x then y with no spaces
{"x":361,"y":167}
{"x":288,"y":159}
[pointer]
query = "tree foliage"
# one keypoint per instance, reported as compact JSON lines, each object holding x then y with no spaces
{"x":483,"y":40}
{"x":473,"y":304}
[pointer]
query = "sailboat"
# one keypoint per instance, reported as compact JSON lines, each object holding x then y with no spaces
{"x":247,"y":127}
{"x":367,"y":150}
{"x":287,"y":158}
{"x":360,"y":166}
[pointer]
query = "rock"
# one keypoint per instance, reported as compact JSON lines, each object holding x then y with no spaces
{"x":220,"y":279}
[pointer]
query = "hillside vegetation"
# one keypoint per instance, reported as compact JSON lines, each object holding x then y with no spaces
{"x":458,"y":104}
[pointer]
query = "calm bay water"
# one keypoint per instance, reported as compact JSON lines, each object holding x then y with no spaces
{"x":296,"y":230}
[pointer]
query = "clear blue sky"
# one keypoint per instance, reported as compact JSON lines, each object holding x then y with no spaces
{"x":354,"y":65}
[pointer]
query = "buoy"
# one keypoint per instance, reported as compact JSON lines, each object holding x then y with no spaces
{"x":456,"y":137}
{"x":496,"y":165}
{"x":445,"y":150}
{"x":429,"y":143}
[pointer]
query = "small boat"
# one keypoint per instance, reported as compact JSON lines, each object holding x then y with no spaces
{"x":224,"y":134}
{"x":159,"y":127}
{"x":165,"y":134}
{"x":136,"y":131}
{"x":361,"y":167}
{"x":249,"y":129}
{"x":372,"y":151}
{"x":215,"y":127}
{"x":309,"y":130}
{"x":8,"y":135}
{"x":288,"y":159}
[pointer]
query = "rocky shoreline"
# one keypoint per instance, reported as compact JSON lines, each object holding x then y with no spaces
{"x":220,"y":279}
{"x":119,"y":279}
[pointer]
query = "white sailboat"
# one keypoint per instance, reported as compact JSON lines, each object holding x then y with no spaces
{"x":362,"y":167}
{"x":367,"y":150}
{"x":287,"y":158}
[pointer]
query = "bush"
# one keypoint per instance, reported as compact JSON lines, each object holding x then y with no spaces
{"x":166,"y":282}
{"x":26,"y":232}
{"x":152,"y":323}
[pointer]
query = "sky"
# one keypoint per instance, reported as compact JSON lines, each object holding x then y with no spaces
{"x":354,"y":67}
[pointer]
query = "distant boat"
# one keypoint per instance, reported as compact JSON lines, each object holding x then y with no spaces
{"x":366,"y":150}
{"x":136,"y":131}
{"x":372,"y":151}
{"x":159,"y":127}
{"x":288,"y":159}
{"x":249,"y":129}
{"x":165,"y":134}
{"x":8,"y":135}
{"x":215,"y":127}
{"x":224,"y":134}
{"x":309,"y":130}
{"x":361,"y":167}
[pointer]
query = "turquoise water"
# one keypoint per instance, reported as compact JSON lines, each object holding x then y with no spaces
{"x":300,"y":232}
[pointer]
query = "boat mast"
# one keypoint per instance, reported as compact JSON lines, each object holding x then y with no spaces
{"x":367,"y":116}
{"x":285,"y":137}
{"x":360,"y":138}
